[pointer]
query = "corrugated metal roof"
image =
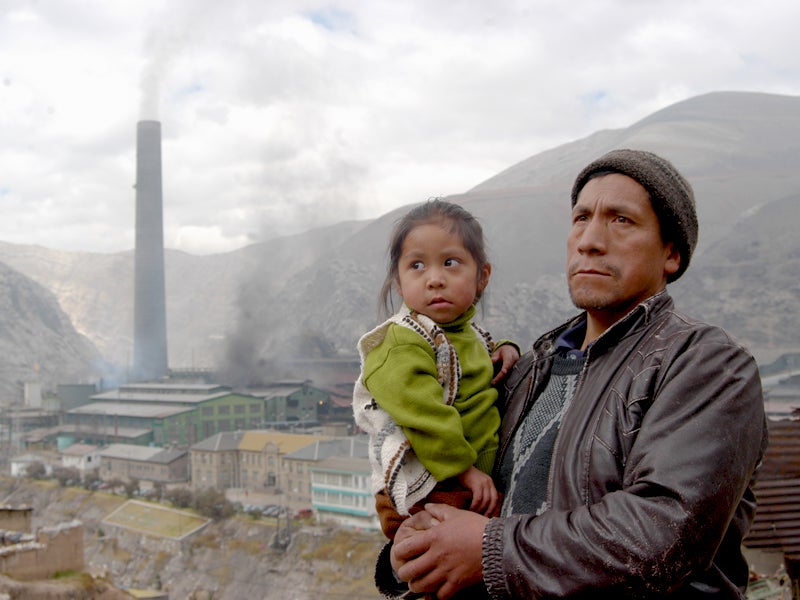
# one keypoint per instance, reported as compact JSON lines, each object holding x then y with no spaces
{"x":777,"y":489}
{"x":192,"y":387}
{"x":107,"y":430}
{"x":782,"y":459}
{"x":225,"y":441}
{"x":278,"y":391}
{"x":129,"y":452}
{"x":176,"y":397}
{"x":79,"y":449}
{"x":348,"y":447}
{"x":777,"y":523}
{"x":167,"y":456}
{"x":346,"y":465}
{"x":132,"y":409}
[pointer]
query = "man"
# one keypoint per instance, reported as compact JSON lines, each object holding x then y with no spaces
{"x":631,"y":434}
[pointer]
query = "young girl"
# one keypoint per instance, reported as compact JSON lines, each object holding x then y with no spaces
{"x":425,"y":394}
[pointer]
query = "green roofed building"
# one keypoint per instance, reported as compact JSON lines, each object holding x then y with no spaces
{"x":170,"y":414}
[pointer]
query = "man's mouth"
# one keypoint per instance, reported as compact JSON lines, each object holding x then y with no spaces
{"x":578,"y":270}
{"x":588,"y":272}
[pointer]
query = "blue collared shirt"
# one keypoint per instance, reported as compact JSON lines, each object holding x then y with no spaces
{"x":569,"y":343}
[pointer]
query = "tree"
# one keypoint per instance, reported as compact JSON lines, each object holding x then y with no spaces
{"x":180,"y":497}
{"x":67,"y":476}
{"x":36,"y":470}
{"x":91,"y":479}
{"x":212,"y":503}
{"x":115,"y":483}
{"x":158,"y":490}
{"x":131,"y":487}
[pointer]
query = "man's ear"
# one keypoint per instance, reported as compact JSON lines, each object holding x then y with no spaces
{"x":673,"y":259}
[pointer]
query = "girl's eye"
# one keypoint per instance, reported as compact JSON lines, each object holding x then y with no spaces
{"x":451,"y":262}
{"x":416,"y":265}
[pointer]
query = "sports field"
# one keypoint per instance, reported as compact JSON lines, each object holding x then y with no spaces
{"x":155,"y":520}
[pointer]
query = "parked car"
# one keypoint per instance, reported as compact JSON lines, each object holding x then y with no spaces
{"x":271,"y":510}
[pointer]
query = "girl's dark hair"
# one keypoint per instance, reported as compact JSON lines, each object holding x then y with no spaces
{"x":439,"y":211}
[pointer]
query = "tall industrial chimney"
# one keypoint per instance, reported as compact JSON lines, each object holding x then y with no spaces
{"x":149,"y":302}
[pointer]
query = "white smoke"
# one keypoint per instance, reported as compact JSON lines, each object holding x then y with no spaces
{"x":158,"y":51}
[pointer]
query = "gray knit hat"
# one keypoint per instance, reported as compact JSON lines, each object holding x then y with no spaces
{"x":671,"y":195}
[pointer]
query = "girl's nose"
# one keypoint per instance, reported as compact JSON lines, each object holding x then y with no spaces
{"x":435,"y":279}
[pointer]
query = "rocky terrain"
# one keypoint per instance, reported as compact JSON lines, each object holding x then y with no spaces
{"x":230,"y":559}
{"x":38,"y":342}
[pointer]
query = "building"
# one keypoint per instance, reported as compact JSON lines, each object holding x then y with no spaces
{"x":296,"y":466}
{"x":251,"y":460}
{"x":20,"y":464}
{"x":83,"y":457}
{"x":292,"y":403}
{"x":17,"y":421}
{"x":773,"y":542}
{"x":215,"y":461}
{"x":172,"y":414}
{"x":111,"y":423}
{"x":27,"y":556}
{"x":73,"y":395}
{"x":341,"y":493}
{"x":144,"y":463}
{"x":782,"y":396}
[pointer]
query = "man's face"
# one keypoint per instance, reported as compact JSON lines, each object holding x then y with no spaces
{"x":615,"y":255}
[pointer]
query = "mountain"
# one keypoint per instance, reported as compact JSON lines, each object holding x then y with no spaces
{"x":312,"y":295}
{"x":38,"y":342}
{"x":739,"y":150}
{"x":749,"y":281}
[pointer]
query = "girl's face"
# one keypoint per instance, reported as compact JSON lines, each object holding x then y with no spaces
{"x":436,"y":275}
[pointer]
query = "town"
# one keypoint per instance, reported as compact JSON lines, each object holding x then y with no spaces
{"x":289,"y":445}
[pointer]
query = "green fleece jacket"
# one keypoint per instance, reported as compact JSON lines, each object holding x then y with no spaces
{"x":401,"y":375}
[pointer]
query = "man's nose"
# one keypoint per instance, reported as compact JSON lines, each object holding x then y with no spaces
{"x":592,"y":236}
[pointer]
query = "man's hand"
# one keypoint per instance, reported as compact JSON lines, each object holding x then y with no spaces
{"x":506,"y":355}
{"x":409,"y":528}
{"x":439,"y":550}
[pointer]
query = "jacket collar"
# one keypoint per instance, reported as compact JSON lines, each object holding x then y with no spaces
{"x":642,"y":314}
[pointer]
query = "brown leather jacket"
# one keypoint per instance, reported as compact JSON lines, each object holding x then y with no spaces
{"x":650,"y":488}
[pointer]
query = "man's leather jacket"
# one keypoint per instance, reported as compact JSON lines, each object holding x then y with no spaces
{"x":649,"y":492}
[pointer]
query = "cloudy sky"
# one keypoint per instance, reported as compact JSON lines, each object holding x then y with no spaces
{"x":282,"y":115}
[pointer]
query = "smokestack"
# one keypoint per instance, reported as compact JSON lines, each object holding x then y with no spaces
{"x":149,"y":302}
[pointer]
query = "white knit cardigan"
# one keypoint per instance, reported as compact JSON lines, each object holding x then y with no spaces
{"x":395,"y":466}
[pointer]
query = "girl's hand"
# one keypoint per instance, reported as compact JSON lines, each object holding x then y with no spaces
{"x":506,"y":355}
{"x":484,"y":494}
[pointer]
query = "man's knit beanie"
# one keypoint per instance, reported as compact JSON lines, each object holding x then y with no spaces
{"x":671,"y":195}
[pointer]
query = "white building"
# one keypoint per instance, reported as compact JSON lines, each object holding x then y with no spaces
{"x":20,"y":464}
{"x":340,"y":493}
{"x":83,"y":457}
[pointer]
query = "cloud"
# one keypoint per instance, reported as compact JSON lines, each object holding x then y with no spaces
{"x":285,"y":115}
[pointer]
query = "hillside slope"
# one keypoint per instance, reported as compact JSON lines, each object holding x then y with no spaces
{"x":38,"y":342}
{"x":229,"y":560}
